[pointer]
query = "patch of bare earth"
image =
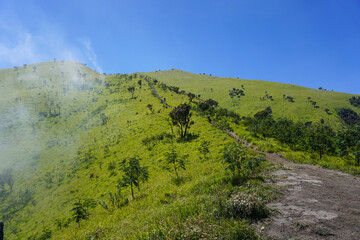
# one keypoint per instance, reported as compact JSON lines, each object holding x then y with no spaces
{"x":317,"y":203}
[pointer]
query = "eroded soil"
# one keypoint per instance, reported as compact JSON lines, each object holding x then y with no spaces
{"x":317,"y":203}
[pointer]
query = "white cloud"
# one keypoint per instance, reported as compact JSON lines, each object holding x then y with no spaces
{"x":20,"y":49}
{"x":90,"y":53}
{"x":19,"y":45}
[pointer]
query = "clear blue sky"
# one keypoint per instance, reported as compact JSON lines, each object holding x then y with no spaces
{"x":311,"y":43}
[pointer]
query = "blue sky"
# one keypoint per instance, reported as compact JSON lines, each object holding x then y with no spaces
{"x":304,"y":42}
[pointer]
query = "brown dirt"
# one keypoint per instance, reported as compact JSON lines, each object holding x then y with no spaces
{"x":317,"y":203}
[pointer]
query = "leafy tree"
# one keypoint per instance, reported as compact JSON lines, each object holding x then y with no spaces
{"x":191,"y":96}
{"x":174,"y":159}
{"x":348,"y":142}
{"x":180,"y":116}
{"x":349,"y":116}
{"x":212,"y":102}
{"x":204,"y":148}
{"x":132,"y":90}
{"x":140,"y":83}
{"x":134,"y":174}
{"x":290,"y":99}
{"x":355,"y":101}
{"x":236,"y":92}
{"x":80,"y":212}
{"x":321,"y":139}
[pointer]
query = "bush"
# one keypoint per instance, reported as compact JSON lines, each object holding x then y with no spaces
{"x":241,"y":162}
{"x":199,"y":228}
{"x":243,"y":205}
{"x":349,"y":116}
{"x":153,"y":140}
{"x":355,"y":101}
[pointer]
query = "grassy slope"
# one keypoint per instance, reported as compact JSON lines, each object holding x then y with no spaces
{"x":300,"y":110}
{"x":218,"y":88}
{"x":51,"y":174}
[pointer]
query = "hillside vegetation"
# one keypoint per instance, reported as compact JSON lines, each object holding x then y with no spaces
{"x":68,"y":137}
{"x":250,"y":96}
{"x":91,"y":156}
{"x":305,"y":125}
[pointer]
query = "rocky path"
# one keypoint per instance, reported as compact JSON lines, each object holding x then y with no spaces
{"x":317,"y":203}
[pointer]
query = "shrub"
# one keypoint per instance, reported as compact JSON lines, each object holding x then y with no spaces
{"x":355,"y":101}
{"x":80,"y":212}
{"x":240,"y":162}
{"x":349,"y":116}
{"x":204,"y":148}
{"x":242,"y":205}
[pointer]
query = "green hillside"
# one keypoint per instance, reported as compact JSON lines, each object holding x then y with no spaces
{"x":257,"y":96}
{"x":67,"y":133}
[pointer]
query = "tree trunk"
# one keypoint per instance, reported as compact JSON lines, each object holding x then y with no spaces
{"x":181,"y":131}
{"x":170,"y":123}
{"x":1,"y":231}
{"x":186,"y":127}
{"x":132,"y":191}
{"x":176,"y":171}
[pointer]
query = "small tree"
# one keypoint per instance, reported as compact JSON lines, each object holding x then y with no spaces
{"x":140,"y":83}
{"x":150,"y":107}
{"x":7,"y":178}
{"x":132,"y":90}
{"x":134,"y":174}
{"x":241,"y":163}
{"x":175,"y":160}
{"x":204,"y":148}
{"x":321,"y":139}
{"x":348,"y":142}
{"x":191,"y":96}
{"x":180,"y":117}
{"x":80,"y":212}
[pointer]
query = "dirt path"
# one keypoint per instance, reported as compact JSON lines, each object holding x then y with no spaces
{"x":317,"y":203}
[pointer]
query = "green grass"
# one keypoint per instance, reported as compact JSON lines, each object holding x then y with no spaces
{"x":301,"y":110}
{"x":63,"y":159}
